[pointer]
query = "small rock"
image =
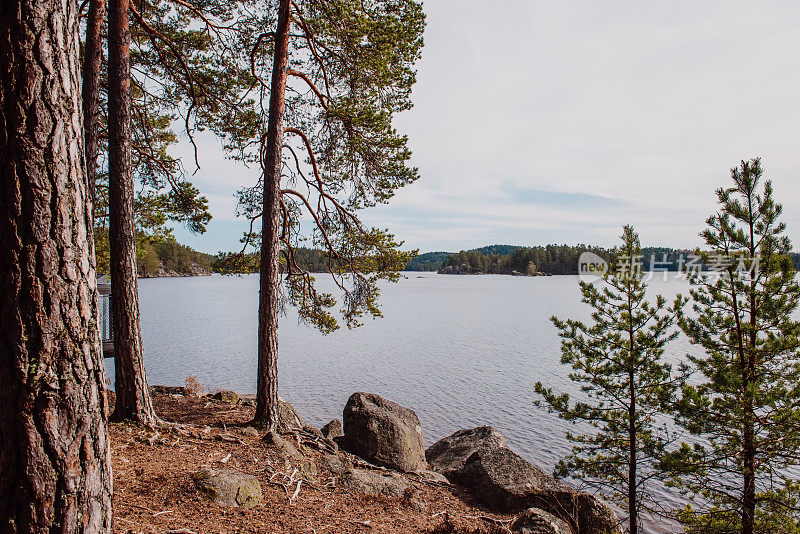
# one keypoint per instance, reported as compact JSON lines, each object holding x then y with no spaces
{"x":383,"y":432}
{"x":168,"y":390}
{"x":334,"y":463}
{"x":284,"y":447}
{"x":371,"y":482}
{"x":227,"y":487}
{"x":230,"y":397}
{"x":249,"y":431}
{"x":288,"y":417}
{"x":535,"y":521}
{"x":333,"y":429}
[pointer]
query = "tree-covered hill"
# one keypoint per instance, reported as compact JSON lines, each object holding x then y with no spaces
{"x":496,"y":259}
{"x":429,"y":261}
{"x":170,"y":258}
{"x":554,"y":259}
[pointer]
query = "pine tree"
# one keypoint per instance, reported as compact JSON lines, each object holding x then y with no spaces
{"x":746,"y":408}
{"x":132,"y":401}
{"x":336,"y":72}
{"x":617,"y":360}
{"x":55,"y":462}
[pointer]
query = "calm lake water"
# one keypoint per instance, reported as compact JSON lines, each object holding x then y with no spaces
{"x":461,"y":351}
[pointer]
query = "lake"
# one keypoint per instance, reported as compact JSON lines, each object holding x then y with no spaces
{"x":461,"y":351}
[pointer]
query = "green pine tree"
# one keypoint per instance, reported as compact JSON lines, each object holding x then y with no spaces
{"x":618,"y":362}
{"x":747,"y":407}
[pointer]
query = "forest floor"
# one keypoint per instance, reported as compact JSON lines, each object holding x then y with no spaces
{"x":154,"y":491}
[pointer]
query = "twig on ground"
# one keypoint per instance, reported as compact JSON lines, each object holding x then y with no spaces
{"x":296,"y":491}
{"x":362,"y":523}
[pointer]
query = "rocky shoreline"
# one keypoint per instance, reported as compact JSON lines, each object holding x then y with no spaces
{"x":377,"y":449}
{"x":168,"y":273}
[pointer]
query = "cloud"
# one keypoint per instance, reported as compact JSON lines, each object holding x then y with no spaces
{"x":555,"y":121}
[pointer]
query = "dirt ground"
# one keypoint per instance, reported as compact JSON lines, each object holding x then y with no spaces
{"x":154,"y":491}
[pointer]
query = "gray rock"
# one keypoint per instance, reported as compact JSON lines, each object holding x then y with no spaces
{"x":535,"y":521}
{"x":506,"y":482}
{"x":595,"y":516}
{"x":169,"y":390}
{"x":433,"y":476}
{"x":249,"y":431}
{"x":288,"y":417}
{"x":227,"y":487}
{"x":333,"y":429}
{"x":383,"y":432}
{"x":284,"y":447}
{"x":334,"y":464}
{"x":448,"y":455}
{"x":371,"y":482}
{"x":230,"y":397}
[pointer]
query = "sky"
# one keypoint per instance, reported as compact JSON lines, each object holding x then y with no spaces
{"x":559,"y":121}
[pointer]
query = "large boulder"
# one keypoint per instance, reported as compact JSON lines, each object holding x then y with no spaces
{"x":371,"y":482}
{"x":383,"y":432}
{"x":506,"y":482}
{"x":227,"y":487}
{"x":595,"y":516}
{"x":448,"y":455}
{"x":535,"y":521}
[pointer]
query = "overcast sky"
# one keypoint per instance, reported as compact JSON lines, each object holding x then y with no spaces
{"x":558,"y":121}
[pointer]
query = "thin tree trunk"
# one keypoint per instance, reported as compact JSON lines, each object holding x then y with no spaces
{"x":748,"y":434}
{"x":91,"y":88}
{"x":55,"y":465}
{"x":633,"y":512}
{"x":267,"y":387}
{"x":132,"y":393}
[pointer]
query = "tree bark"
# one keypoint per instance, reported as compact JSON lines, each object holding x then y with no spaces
{"x":267,"y":387}
{"x":133,"y":400}
{"x":748,"y":433}
{"x":91,"y":88}
{"x":55,"y":466}
{"x":633,"y":511}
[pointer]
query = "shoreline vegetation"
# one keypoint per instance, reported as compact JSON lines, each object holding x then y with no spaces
{"x":171,"y":259}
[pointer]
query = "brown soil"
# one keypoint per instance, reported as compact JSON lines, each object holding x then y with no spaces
{"x":154,"y":491}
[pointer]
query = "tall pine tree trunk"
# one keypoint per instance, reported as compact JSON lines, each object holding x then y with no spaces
{"x":91,"y":88}
{"x":132,"y":393}
{"x":55,"y":466}
{"x":267,"y":387}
